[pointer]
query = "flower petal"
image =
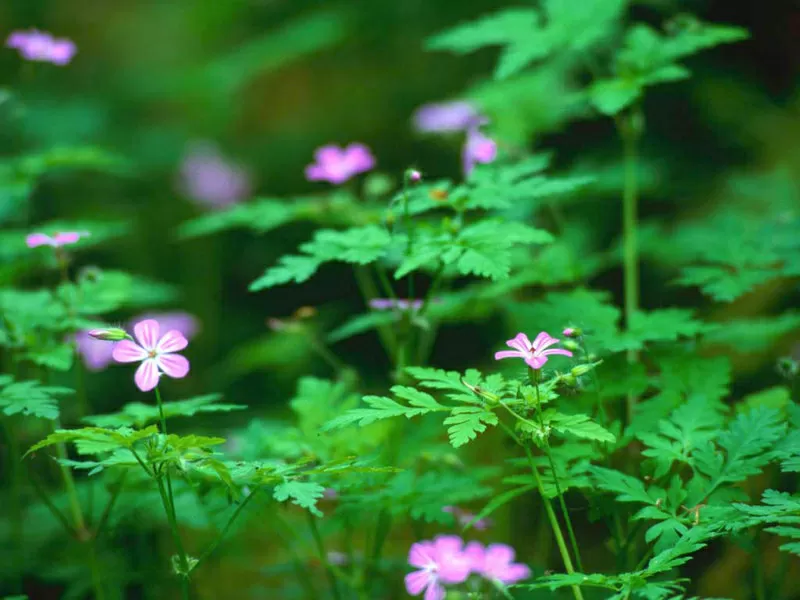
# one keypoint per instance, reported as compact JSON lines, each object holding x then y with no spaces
{"x":146,"y":377}
{"x":520,"y":342}
{"x":127,"y":351}
{"x":172,"y":341}
{"x":174,"y":365}
{"x":509,"y":354}
{"x":418,"y":581}
{"x":435,"y":591}
{"x":65,"y":238}
{"x":147,"y":333}
{"x":536,"y":362}
{"x":556,"y":351}
{"x":514,"y":572}
{"x":542,"y":338}
{"x":39,"y":239}
{"x":421,"y":555}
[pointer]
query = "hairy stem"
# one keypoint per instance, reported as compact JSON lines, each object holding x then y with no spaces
{"x":227,"y":527}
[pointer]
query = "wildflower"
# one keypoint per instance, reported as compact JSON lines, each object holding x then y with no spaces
{"x":440,"y":562}
{"x":536,"y":353}
{"x":400,"y":304}
{"x":413,"y":175}
{"x":156,"y":354}
{"x":61,"y":238}
{"x":42,"y":47}
{"x":446,"y":117}
{"x":337,"y":165}
{"x":478,"y":148}
{"x":495,"y":562}
{"x":96,"y":353}
{"x":464,"y":518}
{"x":209,"y":179}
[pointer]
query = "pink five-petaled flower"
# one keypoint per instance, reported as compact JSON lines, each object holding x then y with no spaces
{"x":441,"y":561}
{"x":337,"y":165}
{"x":536,"y":353}
{"x":61,"y":238}
{"x":156,"y":354}
{"x":495,"y":562}
{"x":42,"y":47}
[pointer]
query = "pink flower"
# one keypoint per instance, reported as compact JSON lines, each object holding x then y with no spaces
{"x":61,"y":238}
{"x":209,"y":179}
{"x":42,"y":47}
{"x":463,"y":518}
{"x":440,"y":562}
{"x":337,"y":165}
{"x":495,"y":563}
{"x":156,"y":354}
{"x":390,"y":303}
{"x":445,"y":117}
{"x":535,"y":354}
{"x":478,"y":148}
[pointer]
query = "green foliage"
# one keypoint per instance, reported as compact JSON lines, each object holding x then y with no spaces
{"x":780,"y":511}
{"x":30,"y":398}
{"x":137,"y":414}
{"x":304,"y":494}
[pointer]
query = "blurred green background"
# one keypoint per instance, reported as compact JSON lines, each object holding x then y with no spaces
{"x":268,"y":81}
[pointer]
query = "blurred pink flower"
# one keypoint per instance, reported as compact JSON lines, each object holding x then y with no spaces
{"x":156,"y":353}
{"x":445,"y":117}
{"x":478,"y":148}
{"x":337,"y":165}
{"x":42,"y":47}
{"x":62,"y":238}
{"x":399,"y":303}
{"x":180,"y":321}
{"x":536,"y":353}
{"x":209,"y":179}
{"x":495,"y":562}
{"x":441,"y":561}
{"x":463,"y":518}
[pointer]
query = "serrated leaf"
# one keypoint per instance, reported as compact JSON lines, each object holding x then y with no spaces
{"x":305,"y":494}
{"x":137,"y":414}
{"x":30,"y":398}
{"x":466,"y":422}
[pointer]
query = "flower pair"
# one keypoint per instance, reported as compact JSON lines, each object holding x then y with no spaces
{"x":446,"y":561}
{"x":42,"y":47}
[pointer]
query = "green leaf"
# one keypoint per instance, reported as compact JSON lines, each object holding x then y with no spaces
{"x":261,"y":215}
{"x":137,"y":414}
{"x":466,"y":422}
{"x":95,"y":440}
{"x":581,"y":426}
{"x":385,"y":408}
{"x":305,"y":494}
{"x":626,"y":488}
{"x":361,"y":324}
{"x":290,"y":268}
{"x":30,"y":398}
{"x":492,"y":30}
{"x":667,"y":324}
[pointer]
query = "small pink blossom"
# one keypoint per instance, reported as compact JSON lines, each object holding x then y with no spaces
{"x":464,"y":518}
{"x":61,"y":238}
{"x":440,"y":562}
{"x":478,"y":149}
{"x":156,"y":353}
{"x":42,"y":47}
{"x":414,"y":175}
{"x":495,"y":562}
{"x":210,"y":179}
{"x":568,"y":332}
{"x":536,"y":353}
{"x":337,"y":165}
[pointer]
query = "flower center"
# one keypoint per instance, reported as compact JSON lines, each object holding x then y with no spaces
{"x":152,"y":354}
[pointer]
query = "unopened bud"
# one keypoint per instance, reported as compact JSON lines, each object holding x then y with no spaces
{"x":572,"y":332}
{"x":569,"y":379}
{"x":580,"y":370}
{"x":112,"y":334}
{"x":305,"y":312}
{"x":413,"y":175}
{"x":571,"y":345}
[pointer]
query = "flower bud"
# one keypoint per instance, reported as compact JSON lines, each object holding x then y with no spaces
{"x":413,"y":175}
{"x":580,"y":370}
{"x":570,"y":345}
{"x":572,"y":332}
{"x":111,"y":334}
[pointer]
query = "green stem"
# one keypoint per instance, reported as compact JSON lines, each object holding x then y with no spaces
{"x":368,"y":291}
{"x":52,"y":507}
{"x":110,"y":505}
{"x":564,"y":511}
{"x":99,"y":593}
{"x":304,"y":577}
{"x":225,"y":529}
{"x":69,"y":486}
{"x":629,"y":131}
{"x":15,"y":474}
{"x":551,"y":515}
{"x":323,"y":556}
